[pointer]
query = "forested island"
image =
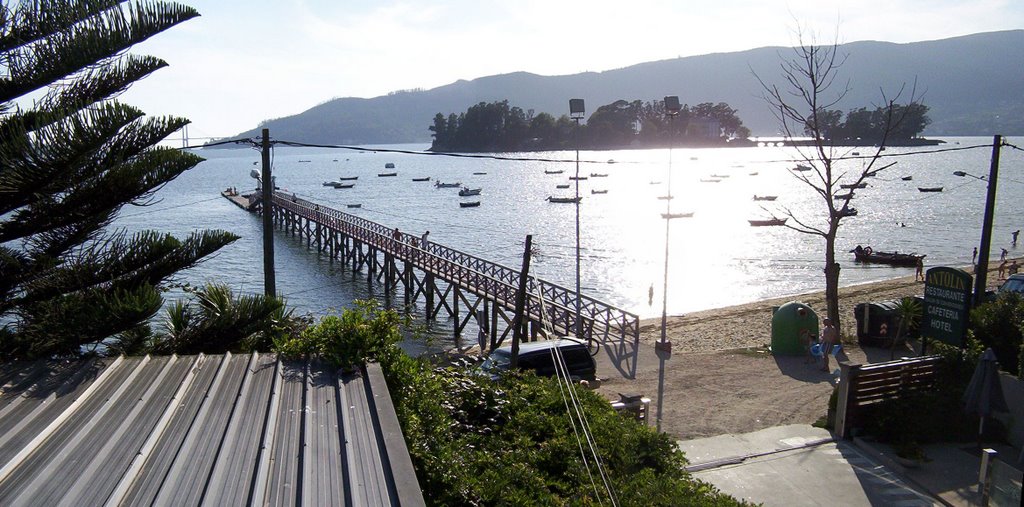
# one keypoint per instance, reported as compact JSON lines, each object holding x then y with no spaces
{"x":501,"y":127}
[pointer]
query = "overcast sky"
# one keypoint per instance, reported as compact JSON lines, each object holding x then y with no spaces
{"x":245,"y":61}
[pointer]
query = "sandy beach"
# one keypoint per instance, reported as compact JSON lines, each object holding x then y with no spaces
{"x":720,"y":379}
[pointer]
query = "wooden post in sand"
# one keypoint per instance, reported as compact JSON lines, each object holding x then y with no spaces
{"x":847,"y":372}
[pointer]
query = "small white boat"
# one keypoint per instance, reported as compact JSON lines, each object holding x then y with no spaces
{"x":466,"y":191}
{"x":438,"y":184}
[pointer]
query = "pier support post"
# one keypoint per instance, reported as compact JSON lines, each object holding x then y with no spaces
{"x":428,"y":281}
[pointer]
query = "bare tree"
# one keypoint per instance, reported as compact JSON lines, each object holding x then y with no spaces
{"x":803,"y":106}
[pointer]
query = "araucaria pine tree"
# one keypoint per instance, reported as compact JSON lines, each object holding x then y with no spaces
{"x":70,"y":158}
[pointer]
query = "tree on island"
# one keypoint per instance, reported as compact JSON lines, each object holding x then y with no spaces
{"x":70,"y":162}
{"x":869,"y":127}
{"x":804,"y":106}
{"x":499,"y":127}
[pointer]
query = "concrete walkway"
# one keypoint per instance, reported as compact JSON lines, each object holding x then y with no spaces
{"x":798,"y":465}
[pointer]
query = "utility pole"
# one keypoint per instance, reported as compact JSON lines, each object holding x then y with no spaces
{"x":981,"y":271}
{"x":267,"y":182}
{"x":517,"y":321}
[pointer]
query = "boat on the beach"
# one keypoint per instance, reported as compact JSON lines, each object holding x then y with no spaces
{"x":907,"y":178}
{"x":592,"y":191}
{"x":385,"y":175}
{"x":867,"y":254}
{"x":765,"y":197}
{"x":438,"y":184}
{"x":670,"y":216}
{"x":353,"y":205}
{"x":469,"y":204}
{"x":389,"y":165}
{"x":562,"y":185}
{"x":425,"y":178}
{"x":768,"y":223}
{"x":564,"y":199}
{"x":929,"y":189}
{"x":348,"y":178}
{"x":853,"y":185}
{"x":466,"y":191}
{"x":554,"y":171}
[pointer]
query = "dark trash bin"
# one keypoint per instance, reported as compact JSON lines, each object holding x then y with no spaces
{"x":878,"y":322}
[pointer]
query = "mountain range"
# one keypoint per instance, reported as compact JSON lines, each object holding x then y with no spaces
{"x":973,"y":85}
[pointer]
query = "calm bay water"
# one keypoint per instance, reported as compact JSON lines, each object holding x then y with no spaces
{"x":715,"y":258}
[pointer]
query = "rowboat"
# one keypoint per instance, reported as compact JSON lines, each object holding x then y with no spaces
{"x":710,"y":180}
{"x":866,"y":254}
{"x":438,"y":184}
{"x":802,"y":167}
{"x":767,"y":223}
{"x":598,"y":191}
{"x":466,"y":191}
{"x":765,"y":197}
{"x":469,"y":204}
{"x":344,"y":185}
{"x":664,"y":197}
{"x":848,"y":195}
{"x":598,"y":175}
{"x":479,"y":174}
{"x":353,"y":205}
{"x":929,"y":189}
{"x":348,"y":178}
{"x":577,"y":177}
{"x":555,"y":171}
{"x":848,"y":211}
{"x":564,"y":185}
{"x":907,"y":178}
{"x":854,"y":185}
{"x":719,"y":176}
{"x":426,"y":178}
{"x":670,"y":216}
{"x":385,"y":175}
{"x":564,"y":199}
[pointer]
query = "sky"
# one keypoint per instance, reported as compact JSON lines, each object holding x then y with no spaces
{"x":243,"y":62}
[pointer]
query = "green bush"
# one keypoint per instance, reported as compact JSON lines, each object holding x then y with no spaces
{"x":365,"y":333}
{"x":998,"y":324}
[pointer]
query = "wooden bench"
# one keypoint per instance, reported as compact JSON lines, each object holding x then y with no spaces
{"x":864,"y":385}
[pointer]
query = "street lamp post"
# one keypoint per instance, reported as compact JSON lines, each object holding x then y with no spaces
{"x":663,"y":348}
{"x":981,"y":270}
{"x":576,"y":112}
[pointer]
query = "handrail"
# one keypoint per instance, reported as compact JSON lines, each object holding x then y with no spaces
{"x":472,"y":273}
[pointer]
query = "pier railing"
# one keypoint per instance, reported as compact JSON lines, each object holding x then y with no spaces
{"x":601,"y":321}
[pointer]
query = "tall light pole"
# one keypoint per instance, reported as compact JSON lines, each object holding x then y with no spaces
{"x":576,"y":112}
{"x":663,"y":348}
{"x":981,"y":270}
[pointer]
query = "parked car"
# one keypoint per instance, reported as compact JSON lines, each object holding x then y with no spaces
{"x":1013,"y":284}
{"x":538,"y":356}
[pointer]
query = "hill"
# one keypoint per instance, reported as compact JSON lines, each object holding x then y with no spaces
{"x":971,"y":83}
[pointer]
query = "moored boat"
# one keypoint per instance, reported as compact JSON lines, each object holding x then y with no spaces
{"x":848,"y":195}
{"x":765,"y":197}
{"x":469,"y":204}
{"x":562,"y":185}
{"x":554,"y":171}
{"x":438,"y":184}
{"x":848,"y":211}
{"x":867,"y":254}
{"x":802,"y":167}
{"x":479,"y":174}
{"x":767,"y":223}
{"x":929,"y":189}
{"x":353,"y":205}
{"x":348,"y":178}
{"x":580,"y":178}
{"x":344,"y":185}
{"x":466,"y":191}
{"x":385,"y":175}
{"x":598,"y":175}
{"x":710,"y":180}
{"x":676,"y":215}
{"x":592,"y":191}
{"x":564,"y":199}
{"x":853,"y":185}
{"x":907,"y":178}
{"x":389,"y":165}
{"x":425,"y":178}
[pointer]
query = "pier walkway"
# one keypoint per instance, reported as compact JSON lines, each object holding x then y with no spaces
{"x":466,"y":287}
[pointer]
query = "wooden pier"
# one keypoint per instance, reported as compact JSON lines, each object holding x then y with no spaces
{"x":464,"y":286}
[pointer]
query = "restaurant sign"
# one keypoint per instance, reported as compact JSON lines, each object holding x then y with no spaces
{"x":947,"y":303}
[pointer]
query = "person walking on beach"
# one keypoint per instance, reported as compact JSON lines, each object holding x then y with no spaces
{"x":1002,"y":270}
{"x":919,"y":275}
{"x":829,"y":339}
{"x":1002,"y":255}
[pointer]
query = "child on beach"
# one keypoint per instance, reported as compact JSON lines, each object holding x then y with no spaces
{"x":829,"y":338}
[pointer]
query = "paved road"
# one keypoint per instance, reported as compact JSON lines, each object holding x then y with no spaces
{"x":797,"y":465}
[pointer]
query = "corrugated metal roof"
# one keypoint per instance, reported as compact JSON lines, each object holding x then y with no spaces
{"x":199,"y":430}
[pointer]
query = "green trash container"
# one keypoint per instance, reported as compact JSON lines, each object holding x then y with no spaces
{"x":793,"y":325}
